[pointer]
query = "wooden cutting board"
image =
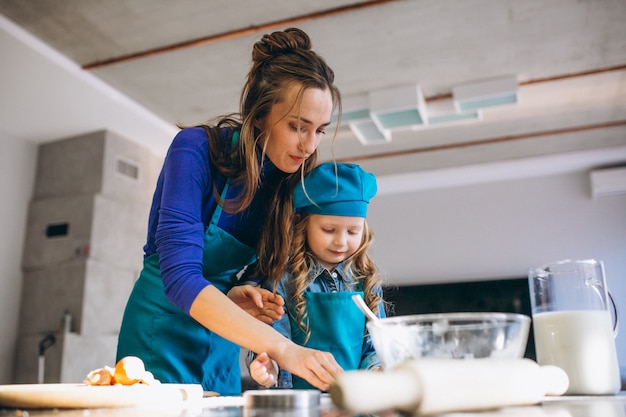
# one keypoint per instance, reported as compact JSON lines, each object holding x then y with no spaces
{"x":86,"y":396}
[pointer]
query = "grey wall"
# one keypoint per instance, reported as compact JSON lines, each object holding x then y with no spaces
{"x":99,"y":186}
{"x":498,"y":230}
{"x":481,"y":231}
{"x":17,"y":172}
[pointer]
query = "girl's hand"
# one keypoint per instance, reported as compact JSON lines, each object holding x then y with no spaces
{"x":258,"y":302}
{"x":264,"y":371}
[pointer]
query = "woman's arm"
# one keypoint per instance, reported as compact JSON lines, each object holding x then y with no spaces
{"x":179,"y":231}
{"x":218,"y":313}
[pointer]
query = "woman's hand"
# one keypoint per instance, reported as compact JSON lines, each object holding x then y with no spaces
{"x":258,"y":302}
{"x":318,"y":368}
{"x":264,"y":371}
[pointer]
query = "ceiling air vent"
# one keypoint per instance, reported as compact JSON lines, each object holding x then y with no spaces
{"x":608,"y":182}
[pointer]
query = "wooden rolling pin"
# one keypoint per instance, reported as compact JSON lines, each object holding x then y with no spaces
{"x":431,"y":386}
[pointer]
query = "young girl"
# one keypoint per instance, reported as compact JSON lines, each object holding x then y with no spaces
{"x":328,"y":264}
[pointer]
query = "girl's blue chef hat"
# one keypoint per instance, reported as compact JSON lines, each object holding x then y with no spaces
{"x":335,"y":189}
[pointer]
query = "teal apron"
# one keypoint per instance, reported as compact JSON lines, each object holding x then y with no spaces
{"x":337,"y":326}
{"x":173,"y":346}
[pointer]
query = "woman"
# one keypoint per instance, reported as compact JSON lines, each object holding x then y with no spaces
{"x":217,"y":186}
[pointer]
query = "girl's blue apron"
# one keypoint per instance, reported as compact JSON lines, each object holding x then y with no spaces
{"x":337,"y":326}
{"x":173,"y":346}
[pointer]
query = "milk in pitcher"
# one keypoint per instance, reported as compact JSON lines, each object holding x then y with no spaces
{"x":581,"y":343}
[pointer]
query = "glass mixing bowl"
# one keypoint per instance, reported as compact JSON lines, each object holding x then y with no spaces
{"x":449,"y":335}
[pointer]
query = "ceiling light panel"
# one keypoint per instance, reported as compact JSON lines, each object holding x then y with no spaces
{"x":443,"y":111}
{"x":367,"y":132}
{"x":482,"y":94}
{"x":398,"y":107}
{"x":356,"y":115}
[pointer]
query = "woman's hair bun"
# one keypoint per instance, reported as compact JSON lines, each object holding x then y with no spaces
{"x":280,"y":42}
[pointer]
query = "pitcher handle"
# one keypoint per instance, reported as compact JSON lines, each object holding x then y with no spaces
{"x":615,"y":314}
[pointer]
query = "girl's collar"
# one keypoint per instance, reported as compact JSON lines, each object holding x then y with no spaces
{"x":317,"y":268}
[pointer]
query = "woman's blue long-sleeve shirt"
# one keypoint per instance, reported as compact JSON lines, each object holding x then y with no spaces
{"x":182,"y":207}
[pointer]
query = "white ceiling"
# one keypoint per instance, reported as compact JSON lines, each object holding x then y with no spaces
{"x":569,"y":58}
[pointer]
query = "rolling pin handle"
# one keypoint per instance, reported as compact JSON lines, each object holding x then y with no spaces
{"x":556,"y":379}
{"x":363,"y":392}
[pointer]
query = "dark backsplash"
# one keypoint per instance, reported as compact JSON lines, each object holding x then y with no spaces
{"x":506,"y":295}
